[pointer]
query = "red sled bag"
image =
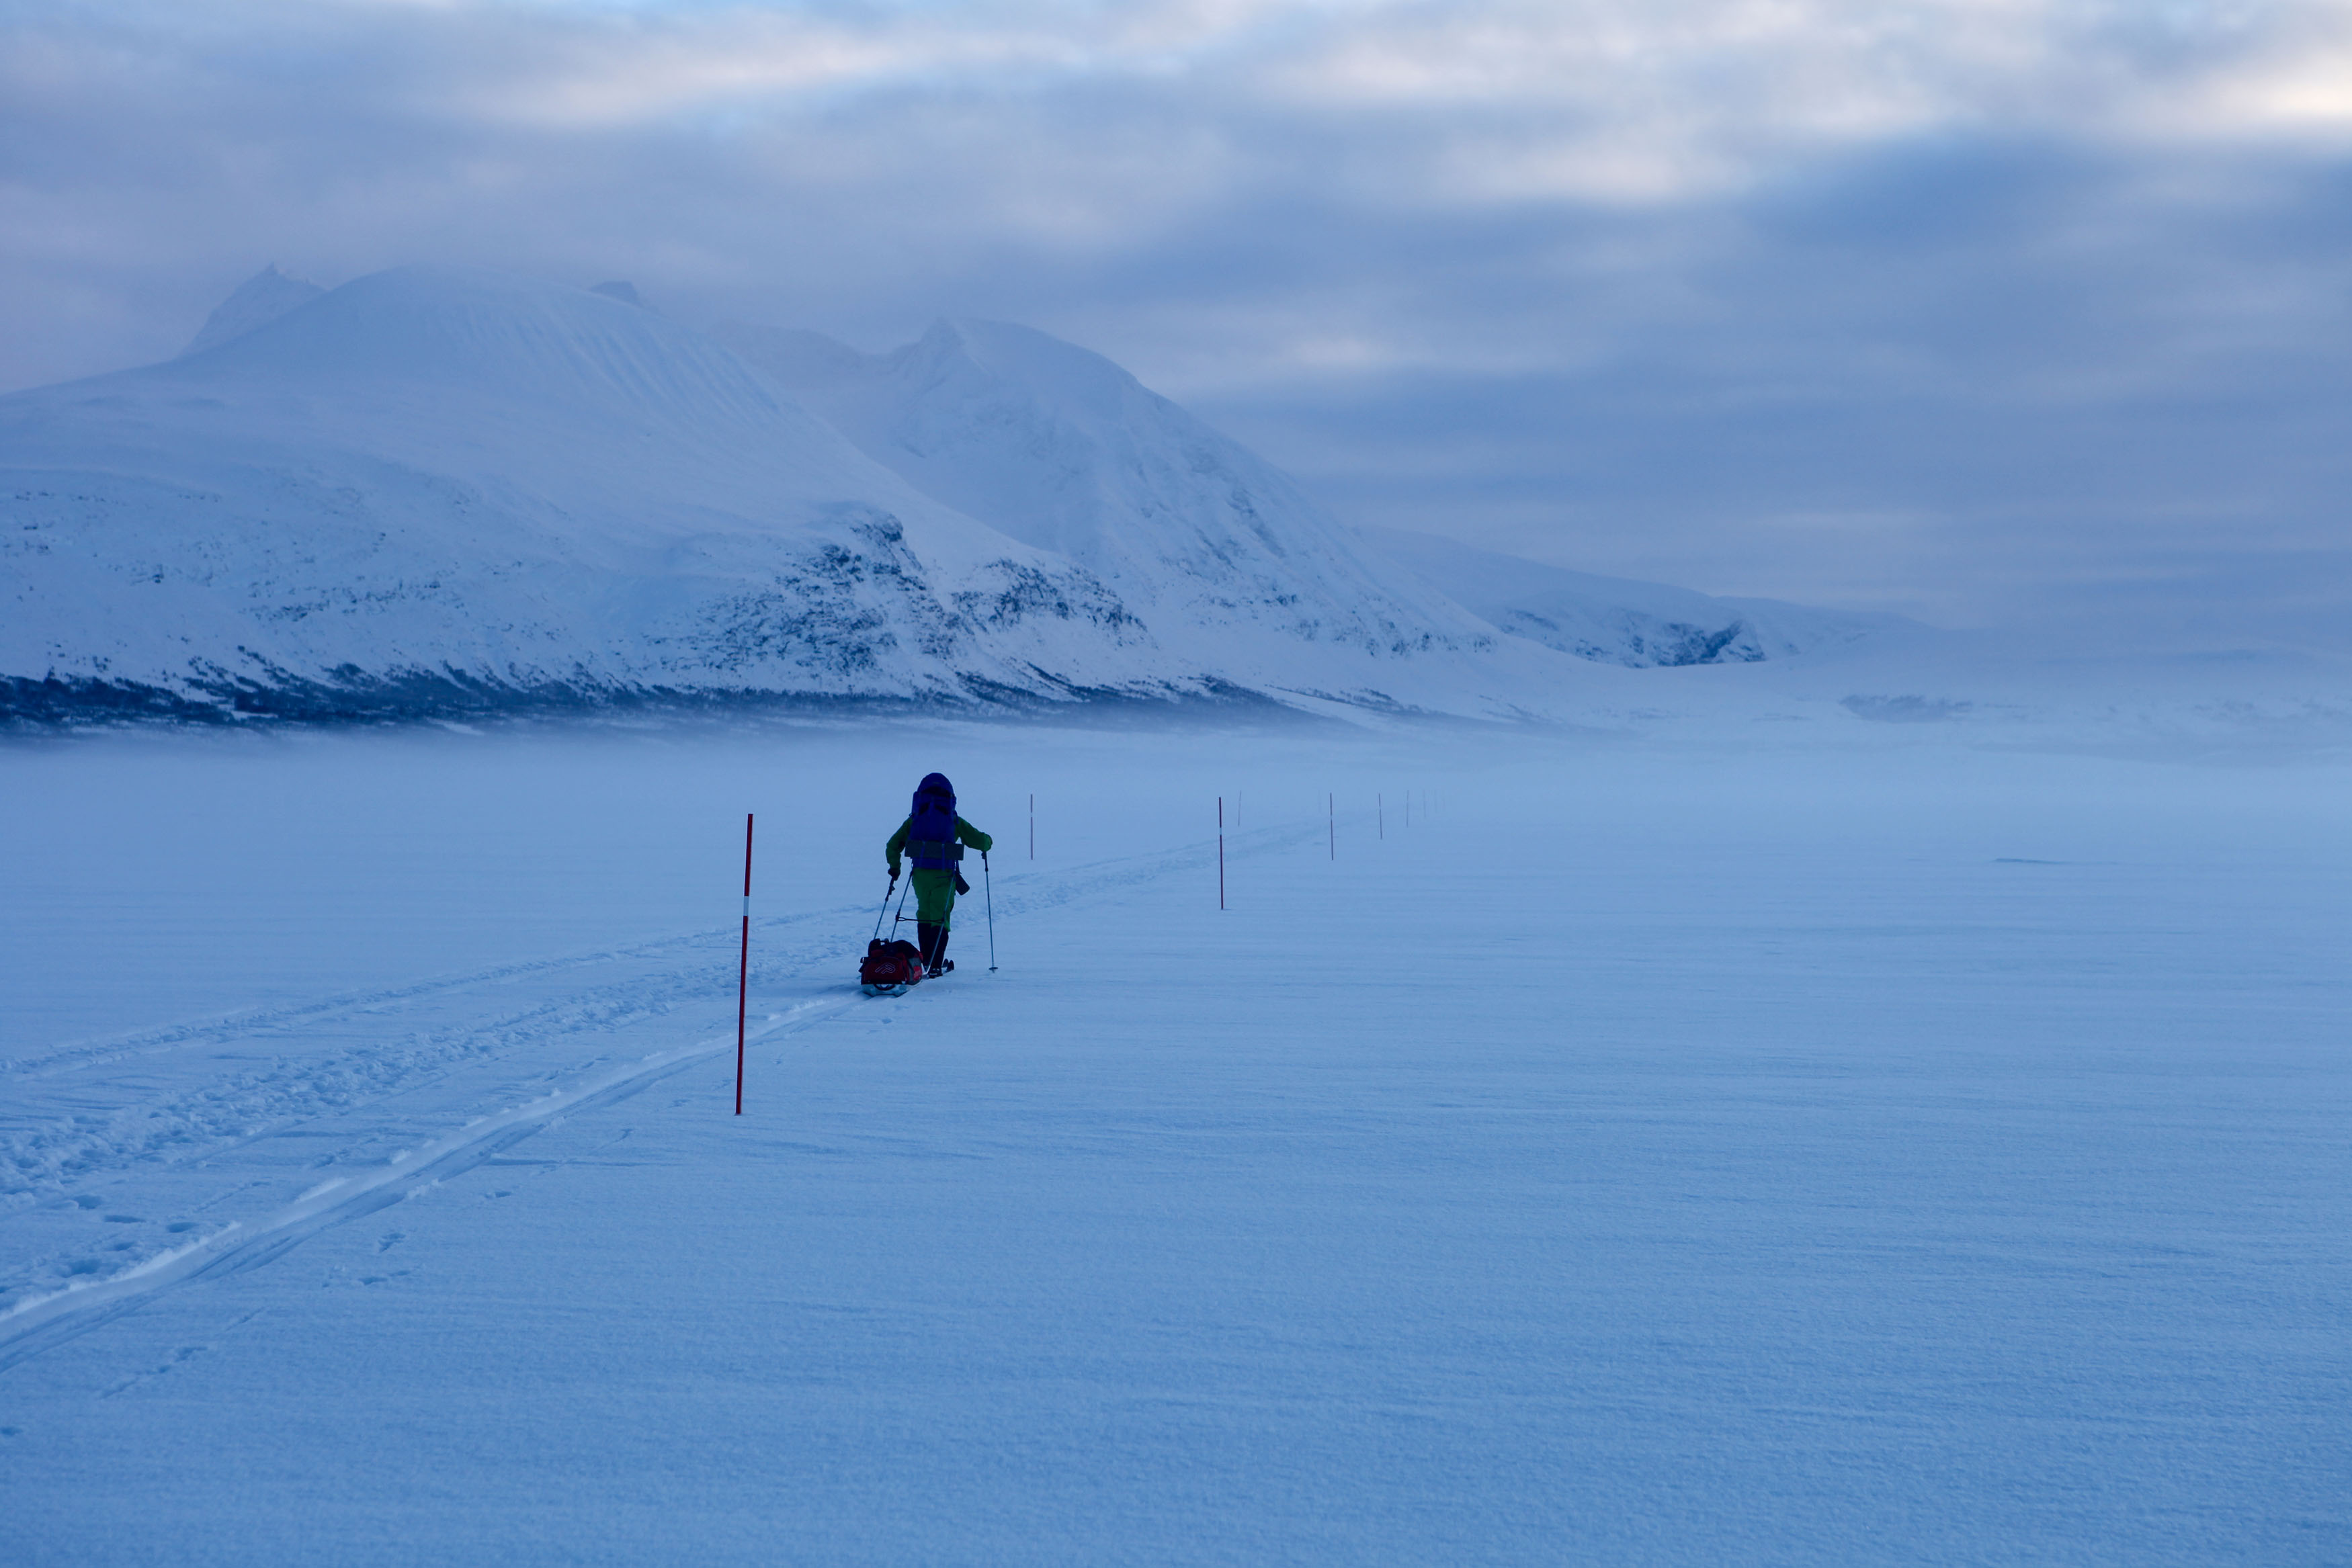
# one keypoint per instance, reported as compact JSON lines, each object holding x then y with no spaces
{"x":889,"y":964}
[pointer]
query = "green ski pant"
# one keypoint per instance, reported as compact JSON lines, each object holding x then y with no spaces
{"x":935,"y":896}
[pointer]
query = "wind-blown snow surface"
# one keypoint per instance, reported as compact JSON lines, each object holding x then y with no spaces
{"x":1695,"y":1150}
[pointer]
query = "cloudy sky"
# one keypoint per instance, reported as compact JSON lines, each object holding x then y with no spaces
{"x":1986,"y":310}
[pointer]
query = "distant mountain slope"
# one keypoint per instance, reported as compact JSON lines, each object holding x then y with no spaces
{"x":438,"y":490}
{"x":1613,"y":620}
{"x":258,"y":300}
{"x":434,"y":489}
{"x":1062,"y":449}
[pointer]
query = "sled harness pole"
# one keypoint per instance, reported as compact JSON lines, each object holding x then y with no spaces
{"x":988,"y":891}
{"x":1033,"y":835}
{"x":744,"y":978}
{"x":1331,"y":822}
{"x":1221,"y":851}
{"x":1380,"y":807}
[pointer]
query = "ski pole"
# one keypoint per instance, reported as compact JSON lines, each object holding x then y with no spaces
{"x":988,"y":891}
{"x":886,"y":893}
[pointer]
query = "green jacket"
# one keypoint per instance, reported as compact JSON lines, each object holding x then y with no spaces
{"x":965,"y":835}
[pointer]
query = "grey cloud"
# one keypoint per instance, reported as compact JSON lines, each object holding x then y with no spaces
{"x":2052,"y":335}
{"x":1983,"y":385}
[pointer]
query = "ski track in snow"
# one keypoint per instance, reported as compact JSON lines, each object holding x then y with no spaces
{"x":51,"y":1156}
{"x":35,"y":1324}
{"x":124,"y":1128}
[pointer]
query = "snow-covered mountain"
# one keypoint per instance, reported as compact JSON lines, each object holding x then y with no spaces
{"x":1065,"y":451}
{"x":1616,"y":619}
{"x":434,"y":491}
{"x":258,"y":300}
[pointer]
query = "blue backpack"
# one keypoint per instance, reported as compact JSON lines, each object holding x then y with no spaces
{"x":931,"y":825}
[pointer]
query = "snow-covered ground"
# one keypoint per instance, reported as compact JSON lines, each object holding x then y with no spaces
{"x":1767,"y":1144}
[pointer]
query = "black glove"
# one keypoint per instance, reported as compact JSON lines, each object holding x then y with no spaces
{"x":961,"y":885}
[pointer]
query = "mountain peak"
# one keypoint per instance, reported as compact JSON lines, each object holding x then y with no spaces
{"x":1074,"y":382}
{"x":257,"y":301}
{"x":1057,"y":447}
{"x":473,"y":331}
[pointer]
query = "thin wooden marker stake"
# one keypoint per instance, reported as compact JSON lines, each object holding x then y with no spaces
{"x":744,"y":978}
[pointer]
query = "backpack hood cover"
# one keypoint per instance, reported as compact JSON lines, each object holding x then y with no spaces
{"x":931,"y":825}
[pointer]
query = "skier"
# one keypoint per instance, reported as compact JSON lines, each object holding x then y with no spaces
{"x":934,"y":837}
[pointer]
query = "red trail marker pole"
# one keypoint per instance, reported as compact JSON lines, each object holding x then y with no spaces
{"x":744,"y":978}
{"x":1221,"y":851}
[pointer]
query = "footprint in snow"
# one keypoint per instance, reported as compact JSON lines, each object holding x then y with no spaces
{"x":390,"y":1239}
{"x":180,"y":1358}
